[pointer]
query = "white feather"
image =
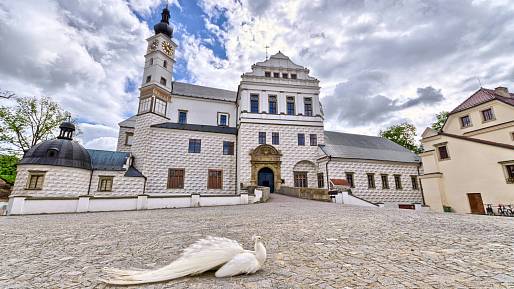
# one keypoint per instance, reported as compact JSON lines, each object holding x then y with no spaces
{"x":205,"y":254}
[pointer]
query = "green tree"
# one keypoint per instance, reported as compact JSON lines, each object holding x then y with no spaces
{"x":440,"y":120}
{"x":29,"y":121}
{"x":8,"y":167}
{"x":402,"y":134}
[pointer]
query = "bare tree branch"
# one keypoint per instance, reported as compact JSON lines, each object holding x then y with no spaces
{"x":6,"y":94}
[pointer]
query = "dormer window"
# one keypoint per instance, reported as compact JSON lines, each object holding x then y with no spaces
{"x":148,"y":78}
{"x":293,"y":76}
{"x":163,"y":81}
{"x":276,"y":75}
{"x":52,"y":152}
{"x":267,"y":74}
{"x":165,"y":64}
{"x":465,"y":121}
{"x":285,"y":75}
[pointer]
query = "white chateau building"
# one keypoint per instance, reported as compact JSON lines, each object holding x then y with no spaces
{"x":191,"y":145}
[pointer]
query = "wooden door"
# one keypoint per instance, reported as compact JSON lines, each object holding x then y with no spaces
{"x":476,"y":204}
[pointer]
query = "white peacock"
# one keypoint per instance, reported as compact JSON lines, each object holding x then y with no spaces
{"x":225,"y":255}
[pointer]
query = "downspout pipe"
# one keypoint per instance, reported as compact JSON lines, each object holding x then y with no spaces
{"x":326,"y":171}
{"x":90,"y":181}
{"x":421,"y":186}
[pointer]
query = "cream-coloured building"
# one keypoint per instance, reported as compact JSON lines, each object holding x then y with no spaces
{"x":470,"y":162}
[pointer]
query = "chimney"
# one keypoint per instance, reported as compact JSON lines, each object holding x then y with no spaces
{"x":503,"y":91}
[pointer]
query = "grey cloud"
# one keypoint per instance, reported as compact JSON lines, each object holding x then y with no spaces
{"x":357,"y":102}
{"x":258,"y":7}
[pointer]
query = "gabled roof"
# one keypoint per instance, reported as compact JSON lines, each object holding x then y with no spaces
{"x":486,"y":142}
{"x":186,"y":89}
{"x":279,"y":60}
{"x":129,"y":122}
{"x":355,"y":146}
{"x":197,"y":127}
{"x":107,"y":160}
{"x":483,"y":95}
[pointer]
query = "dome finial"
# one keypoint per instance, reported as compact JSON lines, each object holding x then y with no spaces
{"x":67,"y":129}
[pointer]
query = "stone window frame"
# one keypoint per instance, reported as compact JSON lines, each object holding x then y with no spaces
{"x":414,"y":182}
{"x":307,"y":106}
{"x":105,"y":183}
{"x":267,"y":73}
{"x":275,"y":138}
{"x":151,"y":61}
{"x":300,"y":179}
{"x":285,"y":75}
{"x":438,"y":146}
{"x":371,"y":180}
{"x":385,"y":181}
{"x":255,"y":95}
{"x":275,"y":102}
{"x":180,"y":178}
{"x":463,"y":125}
{"x":301,"y":136}
{"x":276,"y":74}
{"x":228,"y":148}
{"x":350,"y":180}
{"x":221,"y":113}
{"x":181,"y":111}
{"x":262,"y":137}
{"x":127,"y":135}
{"x":165,"y":64}
{"x":290,"y":100}
{"x":505,"y":168}
{"x":163,"y":81}
{"x":39,"y":177}
{"x":194,"y":146}
{"x":321,"y":180}
{"x":493,"y":115}
{"x":162,"y":105}
{"x":216,"y":184}
{"x":512,"y":135}
{"x":148,"y":78}
{"x":398,"y":182}
{"x":143,"y":103}
{"x":313,"y":139}
{"x":294,"y":76}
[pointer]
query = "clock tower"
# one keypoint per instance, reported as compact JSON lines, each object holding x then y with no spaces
{"x":155,"y":91}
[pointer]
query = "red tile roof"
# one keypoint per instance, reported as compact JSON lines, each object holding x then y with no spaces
{"x":339,"y":182}
{"x":483,"y":95}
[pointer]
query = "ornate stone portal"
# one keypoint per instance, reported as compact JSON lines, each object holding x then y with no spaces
{"x":266,"y":156}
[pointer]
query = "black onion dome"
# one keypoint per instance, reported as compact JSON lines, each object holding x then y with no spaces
{"x":58,"y":152}
{"x":163,"y":26}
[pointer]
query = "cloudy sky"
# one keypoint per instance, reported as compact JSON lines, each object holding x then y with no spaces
{"x":379,"y":62}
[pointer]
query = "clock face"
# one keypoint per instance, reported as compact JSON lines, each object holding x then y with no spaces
{"x":154,"y":44}
{"x":168,"y":49}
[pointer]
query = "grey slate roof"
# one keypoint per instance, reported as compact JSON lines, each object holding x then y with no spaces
{"x":355,"y":146}
{"x":197,"y":127}
{"x":107,"y":160}
{"x":129,"y":122}
{"x":133,"y":172}
{"x":186,"y":89}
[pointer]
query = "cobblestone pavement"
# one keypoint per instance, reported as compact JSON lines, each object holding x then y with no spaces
{"x":310,"y":245}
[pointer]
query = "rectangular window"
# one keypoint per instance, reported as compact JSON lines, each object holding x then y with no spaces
{"x":465,"y":121}
{"x":254,"y":103}
{"x":176,"y":178}
{"x":321,"y":180}
{"x":313,"y":139}
{"x":414,"y":180}
{"x":371,"y":181}
{"x":488,"y":114}
{"x":301,"y":139}
{"x":398,"y":182}
{"x":510,"y":173}
{"x":293,"y":76}
{"x":129,"y":138}
{"x":272,"y":101}
{"x":267,"y":74}
{"x":165,"y":64}
{"x":262,"y":137}
{"x":300,"y":179}
{"x":163,"y":81}
{"x":275,"y":138}
{"x":307,"y":102}
{"x":385,"y":182}
{"x":160,"y":106}
{"x":223,"y":121}
{"x":151,"y":61}
{"x":276,"y":74}
{"x":349,"y":178}
{"x":228,"y":148}
{"x":148,"y":78}
{"x":145,"y":105}
{"x":290,"y":105}
{"x":182,"y":116}
{"x":215,"y":179}
{"x":105,"y":183}
{"x":285,"y":75}
{"x":443,"y":152}
{"x":35,"y":181}
{"x":195,"y":146}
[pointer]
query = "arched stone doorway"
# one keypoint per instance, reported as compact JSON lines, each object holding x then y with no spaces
{"x":266,"y":157}
{"x":266,"y":178}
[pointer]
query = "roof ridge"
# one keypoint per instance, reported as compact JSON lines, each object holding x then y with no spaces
{"x":198,"y":85}
{"x":486,"y":142}
{"x":354,"y":134}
